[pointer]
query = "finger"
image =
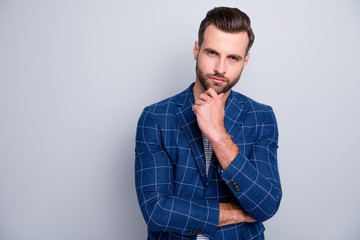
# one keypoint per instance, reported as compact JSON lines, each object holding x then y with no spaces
{"x":212,"y":93}
{"x":250,"y":220}
{"x":200,"y":101}
{"x":205,"y":97}
{"x":195,"y":108}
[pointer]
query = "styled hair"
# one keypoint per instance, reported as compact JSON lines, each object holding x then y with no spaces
{"x":227,"y":19}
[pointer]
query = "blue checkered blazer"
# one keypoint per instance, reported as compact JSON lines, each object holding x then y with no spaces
{"x":176,"y":198}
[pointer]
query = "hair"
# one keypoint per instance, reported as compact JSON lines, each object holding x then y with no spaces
{"x":230,"y":20}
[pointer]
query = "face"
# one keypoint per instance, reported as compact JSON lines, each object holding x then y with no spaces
{"x":220,"y":59}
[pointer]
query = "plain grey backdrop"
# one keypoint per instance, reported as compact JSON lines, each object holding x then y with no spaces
{"x":75,"y":76}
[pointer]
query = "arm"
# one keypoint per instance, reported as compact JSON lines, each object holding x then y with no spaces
{"x":163,"y":211}
{"x":232,"y":213}
{"x":253,"y":179}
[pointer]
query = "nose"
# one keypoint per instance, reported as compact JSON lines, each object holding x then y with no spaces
{"x":220,"y":66}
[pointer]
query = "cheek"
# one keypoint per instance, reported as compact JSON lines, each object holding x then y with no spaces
{"x":206,"y":65}
{"x":235,"y":70}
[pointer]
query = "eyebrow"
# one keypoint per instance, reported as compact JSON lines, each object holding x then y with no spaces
{"x":231,"y":55}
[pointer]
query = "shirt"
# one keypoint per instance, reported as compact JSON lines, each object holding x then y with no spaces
{"x":208,"y":153}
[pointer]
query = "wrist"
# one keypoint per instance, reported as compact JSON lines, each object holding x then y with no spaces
{"x":226,"y":217}
{"x":219,"y":137}
{"x":225,"y":149}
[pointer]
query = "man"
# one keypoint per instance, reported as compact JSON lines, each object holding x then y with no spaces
{"x":206,"y":165}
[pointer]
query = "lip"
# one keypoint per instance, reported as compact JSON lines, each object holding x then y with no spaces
{"x":217,"y":80}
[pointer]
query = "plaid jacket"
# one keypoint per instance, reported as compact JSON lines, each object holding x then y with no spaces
{"x":176,"y":198}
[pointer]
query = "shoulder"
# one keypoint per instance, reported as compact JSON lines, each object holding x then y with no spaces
{"x":163,"y":106}
{"x":251,"y":105}
{"x":258,"y":118}
{"x":166,"y":107}
{"x":255,"y":113}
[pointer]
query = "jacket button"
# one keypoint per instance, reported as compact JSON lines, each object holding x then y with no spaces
{"x":237,"y":189}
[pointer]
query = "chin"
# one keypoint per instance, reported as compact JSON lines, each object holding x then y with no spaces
{"x":219,"y":89}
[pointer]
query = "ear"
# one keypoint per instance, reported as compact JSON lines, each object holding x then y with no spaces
{"x":196,"y":50}
{"x":246,"y":59}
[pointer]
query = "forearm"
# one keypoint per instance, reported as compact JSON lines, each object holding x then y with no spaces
{"x":257,"y":194}
{"x":252,"y":175}
{"x":224,"y":148}
{"x":168,"y":213}
{"x":232,"y":213}
{"x":162,"y":209}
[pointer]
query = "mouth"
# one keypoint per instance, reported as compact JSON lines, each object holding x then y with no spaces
{"x":217,"y":80}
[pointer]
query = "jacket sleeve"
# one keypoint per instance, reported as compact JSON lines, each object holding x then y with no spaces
{"x":162,"y":210}
{"x":254,"y":179}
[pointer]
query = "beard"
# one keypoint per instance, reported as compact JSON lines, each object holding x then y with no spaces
{"x":206,"y":83}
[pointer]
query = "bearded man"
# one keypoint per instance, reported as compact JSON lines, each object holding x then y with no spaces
{"x":206,"y":158}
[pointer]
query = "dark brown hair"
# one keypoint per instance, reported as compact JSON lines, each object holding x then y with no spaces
{"x":230,"y":20}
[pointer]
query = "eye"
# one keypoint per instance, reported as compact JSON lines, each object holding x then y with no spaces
{"x":211,"y":53}
{"x":233,"y":59}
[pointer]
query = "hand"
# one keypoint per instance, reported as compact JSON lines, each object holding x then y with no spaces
{"x":232,"y":213}
{"x":209,"y":111}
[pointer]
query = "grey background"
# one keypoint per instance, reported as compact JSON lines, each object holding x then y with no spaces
{"x":75,"y":76}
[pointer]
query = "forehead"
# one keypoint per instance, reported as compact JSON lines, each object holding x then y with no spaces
{"x":231,"y":43}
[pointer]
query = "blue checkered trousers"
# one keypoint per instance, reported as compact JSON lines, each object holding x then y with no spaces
{"x":177,"y":199}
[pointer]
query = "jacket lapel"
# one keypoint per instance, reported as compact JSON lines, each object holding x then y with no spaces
{"x":191,"y":130}
{"x":235,"y":111}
